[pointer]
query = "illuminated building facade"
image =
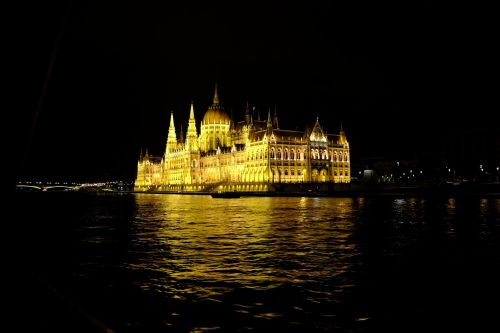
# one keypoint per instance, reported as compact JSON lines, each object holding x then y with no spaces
{"x":249,"y":155}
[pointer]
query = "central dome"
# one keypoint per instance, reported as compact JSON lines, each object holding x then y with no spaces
{"x":215,"y":113}
{"x":216,"y":116}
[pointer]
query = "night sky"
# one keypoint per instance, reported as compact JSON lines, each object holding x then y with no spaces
{"x":397,"y":75}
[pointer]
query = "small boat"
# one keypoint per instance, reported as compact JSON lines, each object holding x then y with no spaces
{"x":225,"y":195}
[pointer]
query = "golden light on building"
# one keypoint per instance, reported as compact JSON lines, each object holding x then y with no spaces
{"x":248,"y":156}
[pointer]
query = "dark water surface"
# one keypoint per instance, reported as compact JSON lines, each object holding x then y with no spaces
{"x":181,"y":263}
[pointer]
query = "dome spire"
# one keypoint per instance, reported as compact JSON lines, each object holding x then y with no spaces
{"x":216,"y":96}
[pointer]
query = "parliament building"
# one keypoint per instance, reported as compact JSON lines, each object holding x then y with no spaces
{"x":247,"y":156}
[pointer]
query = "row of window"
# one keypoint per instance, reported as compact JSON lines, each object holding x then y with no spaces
{"x":316,"y":153}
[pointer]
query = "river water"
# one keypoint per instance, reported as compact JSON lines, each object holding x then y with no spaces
{"x":185,"y":263}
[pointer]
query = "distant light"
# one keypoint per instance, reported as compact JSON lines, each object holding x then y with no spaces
{"x":449,"y":170}
{"x":420,"y":171}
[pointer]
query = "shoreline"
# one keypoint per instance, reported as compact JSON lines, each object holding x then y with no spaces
{"x":358,"y":190}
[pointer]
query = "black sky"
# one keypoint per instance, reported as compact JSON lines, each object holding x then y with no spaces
{"x":397,"y":75}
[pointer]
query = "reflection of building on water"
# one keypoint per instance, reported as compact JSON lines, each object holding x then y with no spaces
{"x":248,"y":155}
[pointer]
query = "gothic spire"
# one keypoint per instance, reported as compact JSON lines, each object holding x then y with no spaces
{"x":342,"y":138}
{"x":275,"y":118}
{"x":191,"y":112}
{"x":191,"y":135}
{"x":172,"y":137}
{"x":269,"y":122}
{"x":247,"y":113}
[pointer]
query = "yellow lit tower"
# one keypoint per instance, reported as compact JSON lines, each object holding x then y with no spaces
{"x":172,"y":137}
{"x":192,"y":134}
{"x":192,"y":152}
{"x":170,"y":151}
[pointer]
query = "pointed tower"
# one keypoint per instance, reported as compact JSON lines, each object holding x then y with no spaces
{"x":269,"y":121}
{"x":247,"y":113}
{"x":342,"y":137}
{"x":181,"y":136}
{"x":172,"y":137}
{"x":275,"y":118}
{"x":191,"y":135}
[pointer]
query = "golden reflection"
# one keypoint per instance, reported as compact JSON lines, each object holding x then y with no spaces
{"x":360,"y":201}
{"x":252,"y":241}
{"x":451,"y":204}
{"x":483,"y":206}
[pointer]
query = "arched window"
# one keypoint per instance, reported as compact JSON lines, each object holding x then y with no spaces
{"x":313,"y":154}
{"x":280,"y":156}
{"x":292,"y":154}
{"x":273,"y":153}
{"x":300,"y":154}
{"x":346,"y":157}
{"x":286,"y":154}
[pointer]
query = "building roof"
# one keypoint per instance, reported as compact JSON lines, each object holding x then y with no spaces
{"x":216,"y":116}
